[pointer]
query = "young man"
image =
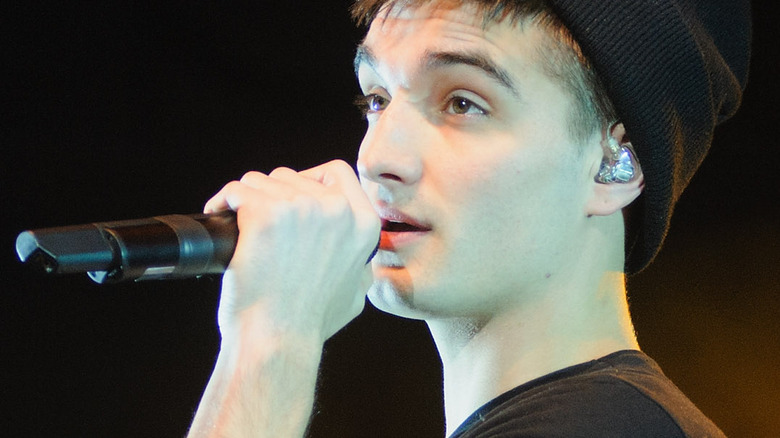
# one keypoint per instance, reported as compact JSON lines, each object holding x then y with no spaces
{"x":497,"y":163}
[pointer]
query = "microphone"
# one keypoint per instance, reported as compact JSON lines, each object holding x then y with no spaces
{"x":157,"y":248}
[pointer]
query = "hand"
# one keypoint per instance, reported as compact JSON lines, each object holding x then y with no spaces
{"x":300,"y":261}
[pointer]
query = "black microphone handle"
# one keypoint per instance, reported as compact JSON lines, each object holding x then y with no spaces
{"x":161,"y":247}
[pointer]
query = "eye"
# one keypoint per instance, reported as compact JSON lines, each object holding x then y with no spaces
{"x":377,"y":102}
{"x":462,"y":106}
{"x":371,"y":103}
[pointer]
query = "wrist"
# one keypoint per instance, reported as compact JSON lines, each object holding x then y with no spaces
{"x":259,"y":373}
{"x":253,"y":337}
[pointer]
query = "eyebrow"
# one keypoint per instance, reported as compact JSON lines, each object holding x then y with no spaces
{"x":363,"y":55}
{"x":433,"y":60}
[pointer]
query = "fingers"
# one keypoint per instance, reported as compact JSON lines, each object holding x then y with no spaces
{"x":333,"y":183}
{"x":338,"y":174}
{"x":253,"y":186}
{"x":331,"y":190}
{"x":280,"y":183}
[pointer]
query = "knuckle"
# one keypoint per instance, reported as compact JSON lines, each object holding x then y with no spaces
{"x":339,"y":166}
{"x":252,"y":177}
{"x":338,"y":163}
{"x":232,"y":186}
{"x":281,"y":171}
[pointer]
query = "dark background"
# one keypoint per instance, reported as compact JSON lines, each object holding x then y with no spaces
{"x":118,"y":110}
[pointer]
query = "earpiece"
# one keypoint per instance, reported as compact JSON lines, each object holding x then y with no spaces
{"x":619,"y":164}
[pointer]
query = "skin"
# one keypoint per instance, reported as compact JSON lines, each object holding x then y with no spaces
{"x":297,"y":276}
{"x":508,"y":248}
{"x":517,"y":263}
{"x":502,"y":186}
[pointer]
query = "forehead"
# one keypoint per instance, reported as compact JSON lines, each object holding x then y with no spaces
{"x":401,"y":36}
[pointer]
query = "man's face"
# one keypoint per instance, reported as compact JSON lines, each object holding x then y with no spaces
{"x":467,"y":148}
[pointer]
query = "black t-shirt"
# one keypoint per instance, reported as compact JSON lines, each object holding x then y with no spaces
{"x":624,"y":394}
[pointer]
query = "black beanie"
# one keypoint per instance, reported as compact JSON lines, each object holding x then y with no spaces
{"x":673,"y":69}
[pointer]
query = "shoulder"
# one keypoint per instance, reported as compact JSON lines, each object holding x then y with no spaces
{"x":623,"y":394}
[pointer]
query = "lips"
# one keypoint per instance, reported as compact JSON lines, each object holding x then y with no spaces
{"x":399,"y":229}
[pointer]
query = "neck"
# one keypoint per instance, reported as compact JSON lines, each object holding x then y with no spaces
{"x":485,"y":358}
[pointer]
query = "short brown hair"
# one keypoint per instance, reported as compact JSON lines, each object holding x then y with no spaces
{"x":560,"y":55}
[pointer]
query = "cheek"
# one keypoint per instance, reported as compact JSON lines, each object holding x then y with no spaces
{"x":512,"y":177}
{"x":527,"y":200}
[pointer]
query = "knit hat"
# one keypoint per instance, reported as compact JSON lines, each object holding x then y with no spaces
{"x":673,"y":69}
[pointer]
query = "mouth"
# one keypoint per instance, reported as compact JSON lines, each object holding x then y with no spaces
{"x":400,"y":227}
{"x":399,"y":230}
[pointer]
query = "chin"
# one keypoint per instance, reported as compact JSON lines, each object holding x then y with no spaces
{"x":405,"y":302}
{"x":387,"y":297}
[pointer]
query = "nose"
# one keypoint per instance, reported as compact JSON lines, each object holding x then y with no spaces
{"x":391,"y":151}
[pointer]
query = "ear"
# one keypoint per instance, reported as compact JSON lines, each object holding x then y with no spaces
{"x":609,"y":198}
